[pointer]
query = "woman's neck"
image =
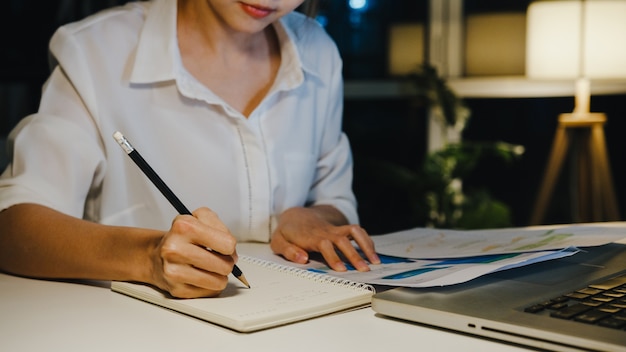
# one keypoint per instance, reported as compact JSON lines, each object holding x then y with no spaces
{"x":240,"y":67}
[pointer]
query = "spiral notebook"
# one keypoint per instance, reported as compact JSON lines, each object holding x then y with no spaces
{"x":279,"y":294}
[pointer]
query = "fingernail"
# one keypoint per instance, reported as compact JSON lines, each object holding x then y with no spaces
{"x":301,"y":258}
{"x":362,"y":266}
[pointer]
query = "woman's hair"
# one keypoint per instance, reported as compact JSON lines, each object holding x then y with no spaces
{"x":310,"y":7}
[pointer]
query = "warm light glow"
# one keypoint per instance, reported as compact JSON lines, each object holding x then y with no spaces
{"x":578,"y":40}
{"x":605,"y":53}
{"x":554,"y":39}
{"x":406,"y":48}
{"x":495,"y":44}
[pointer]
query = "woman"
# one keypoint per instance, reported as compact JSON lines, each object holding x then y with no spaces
{"x":237,"y":105}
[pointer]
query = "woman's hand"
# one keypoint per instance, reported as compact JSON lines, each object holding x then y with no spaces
{"x":182,"y":263}
{"x":302,"y":230}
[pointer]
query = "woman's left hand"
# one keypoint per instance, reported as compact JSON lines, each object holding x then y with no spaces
{"x":302,"y":230}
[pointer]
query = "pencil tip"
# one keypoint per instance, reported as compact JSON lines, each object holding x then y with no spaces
{"x":243,"y":279}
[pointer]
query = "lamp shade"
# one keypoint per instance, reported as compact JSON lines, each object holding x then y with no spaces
{"x":576,"y":39}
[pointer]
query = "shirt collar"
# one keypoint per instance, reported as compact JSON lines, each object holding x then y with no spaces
{"x":157,"y":49}
{"x":157,"y":57}
{"x":292,"y":34}
{"x":290,"y":73}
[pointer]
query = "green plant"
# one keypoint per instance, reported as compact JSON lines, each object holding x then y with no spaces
{"x":434,"y":91}
{"x":435,"y":189}
{"x":441,"y":189}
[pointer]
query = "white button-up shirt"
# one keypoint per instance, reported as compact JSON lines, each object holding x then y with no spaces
{"x":121,"y":70}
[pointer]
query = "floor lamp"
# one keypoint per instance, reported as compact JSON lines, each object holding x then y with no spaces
{"x":579,"y":41}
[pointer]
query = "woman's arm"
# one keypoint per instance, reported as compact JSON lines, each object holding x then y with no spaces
{"x":37,"y":241}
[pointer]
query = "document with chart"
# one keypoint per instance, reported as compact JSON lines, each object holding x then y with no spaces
{"x":405,"y":272}
{"x":425,"y":257}
{"x":429,"y":243}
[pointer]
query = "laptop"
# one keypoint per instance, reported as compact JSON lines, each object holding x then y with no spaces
{"x":577,"y":303}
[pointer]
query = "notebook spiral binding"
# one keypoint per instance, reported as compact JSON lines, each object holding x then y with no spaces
{"x":319,"y":277}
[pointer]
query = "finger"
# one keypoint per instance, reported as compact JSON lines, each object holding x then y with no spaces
{"x":190,"y":291}
{"x":289,"y":251}
{"x":209,"y":218}
{"x":351,"y":254}
{"x":196,"y":283}
{"x":206,"y":230}
{"x":209,"y":261}
{"x":328,"y":251}
{"x":178,"y":251}
{"x":235,"y":257}
{"x":365,"y":242}
{"x":221,"y":240}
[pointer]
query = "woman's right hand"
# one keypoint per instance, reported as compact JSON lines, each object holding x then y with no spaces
{"x":182,"y":263}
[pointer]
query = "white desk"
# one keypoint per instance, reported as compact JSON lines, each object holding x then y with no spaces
{"x":37,"y":315}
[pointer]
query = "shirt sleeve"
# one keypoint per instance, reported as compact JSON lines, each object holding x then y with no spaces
{"x":54,"y":154}
{"x":333,"y":183}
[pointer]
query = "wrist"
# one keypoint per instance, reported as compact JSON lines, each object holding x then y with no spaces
{"x":139,"y":254}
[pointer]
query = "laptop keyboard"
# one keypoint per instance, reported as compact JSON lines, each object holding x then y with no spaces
{"x":602,"y":304}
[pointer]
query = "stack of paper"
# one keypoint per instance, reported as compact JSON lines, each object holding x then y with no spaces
{"x":425,"y":257}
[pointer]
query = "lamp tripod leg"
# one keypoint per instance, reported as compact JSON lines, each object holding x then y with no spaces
{"x":603,"y":179}
{"x":553,"y":168}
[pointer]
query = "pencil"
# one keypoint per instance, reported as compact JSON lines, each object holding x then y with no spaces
{"x":167,"y":192}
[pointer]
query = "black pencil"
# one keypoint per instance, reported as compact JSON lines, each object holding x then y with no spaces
{"x":167,"y":192}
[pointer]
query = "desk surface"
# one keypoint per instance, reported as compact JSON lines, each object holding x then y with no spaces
{"x":38,"y":315}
